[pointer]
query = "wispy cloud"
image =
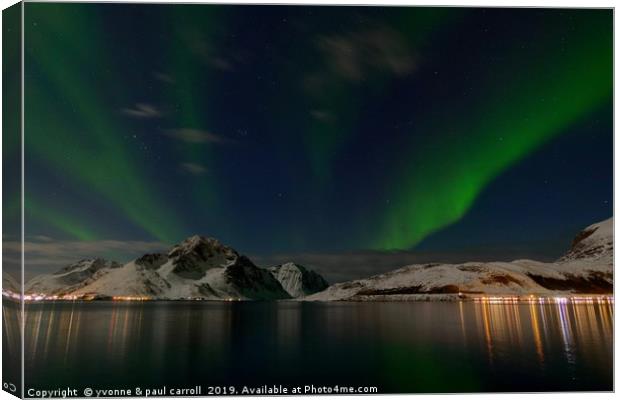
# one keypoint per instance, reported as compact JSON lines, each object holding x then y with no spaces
{"x":322,"y":115}
{"x":339,"y":267}
{"x":194,"y":168}
{"x":196,"y":136}
{"x":345,"y":266}
{"x":204,"y":51}
{"x":49,"y":255}
{"x":142,"y":110}
{"x":40,"y":238}
{"x":355,"y":55}
{"x":221,"y":63}
{"x":160,"y":76}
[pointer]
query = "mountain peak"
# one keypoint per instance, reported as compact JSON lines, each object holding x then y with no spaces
{"x":202,"y":246}
{"x":291,"y":266}
{"x":297,"y":280}
{"x":594,"y":241}
{"x":195,"y":241}
{"x":197,"y":254}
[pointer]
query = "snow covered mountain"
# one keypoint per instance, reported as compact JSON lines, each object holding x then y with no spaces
{"x":72,"y":277}
{"x":10,"y":287}
{"x":297,"y":280}
{"x":586,"y":268}
{"x":199,"y":267}
{"x":203,"y":268}
{"x":593,"y":243}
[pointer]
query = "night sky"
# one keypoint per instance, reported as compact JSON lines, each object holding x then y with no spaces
{"x":316,"y":134}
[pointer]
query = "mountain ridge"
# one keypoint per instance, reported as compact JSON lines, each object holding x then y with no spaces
{"x":197,"y":268}
{"x":586,"y":268}
{"x":203,"y":268}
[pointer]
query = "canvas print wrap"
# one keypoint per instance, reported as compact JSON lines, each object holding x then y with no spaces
{"x":280,"y":200}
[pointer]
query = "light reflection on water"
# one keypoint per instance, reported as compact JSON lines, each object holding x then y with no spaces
{"x":522,"y":326}
{"x":399,"y":347}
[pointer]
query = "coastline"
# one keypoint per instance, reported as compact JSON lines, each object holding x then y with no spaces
{"x":559,"y":298}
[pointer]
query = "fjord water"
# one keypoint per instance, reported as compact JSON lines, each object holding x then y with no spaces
{"x":397,"y":347}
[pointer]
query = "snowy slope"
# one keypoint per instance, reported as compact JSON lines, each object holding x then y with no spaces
{"x":10,"y":286}
{"x":297,"y":280}
{"x":71,"y":277}
{"x":586,"y":268}
{"x":596,"y":242}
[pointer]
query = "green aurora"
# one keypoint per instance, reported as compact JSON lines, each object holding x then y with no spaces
{"x":75,"y":128}
{"x":517,"y":116}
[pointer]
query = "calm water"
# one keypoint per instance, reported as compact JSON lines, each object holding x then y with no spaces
{"x":397,"y":347}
